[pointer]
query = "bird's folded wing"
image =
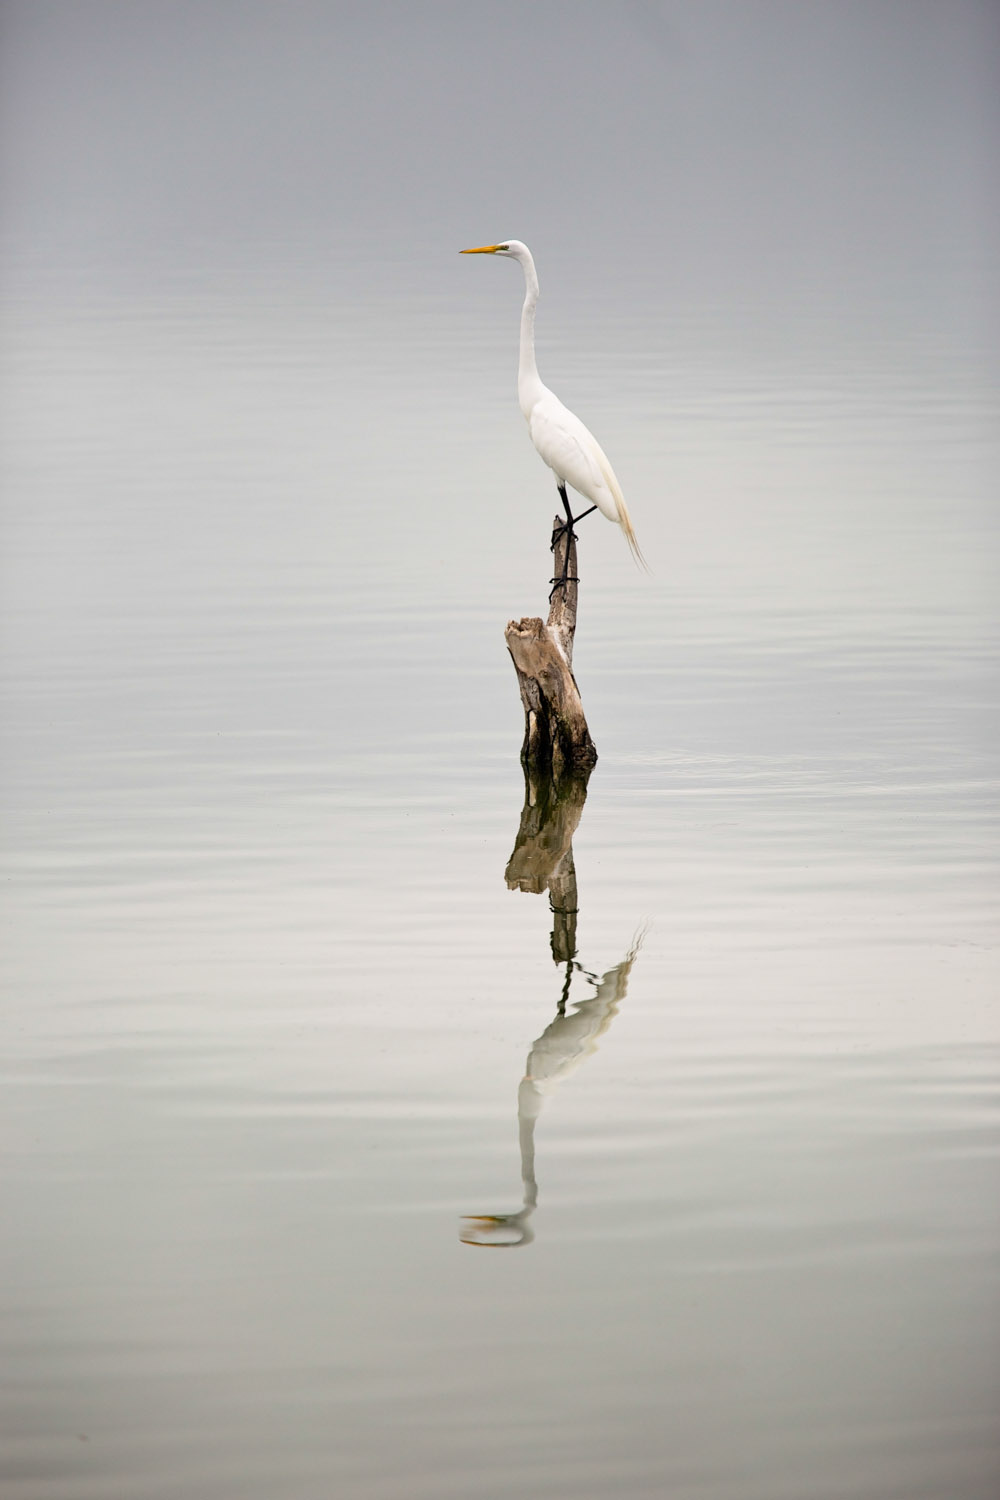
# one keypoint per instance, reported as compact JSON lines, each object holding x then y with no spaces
{"x":568,"y":448}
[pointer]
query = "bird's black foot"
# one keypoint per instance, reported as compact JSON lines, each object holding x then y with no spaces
{"x":559,"y":583}
{"x":568,"y":525}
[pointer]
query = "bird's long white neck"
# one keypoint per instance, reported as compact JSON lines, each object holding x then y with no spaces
{"x":529,"y":385}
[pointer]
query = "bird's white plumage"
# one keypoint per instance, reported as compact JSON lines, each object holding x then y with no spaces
{"x":573,"y":454}
{"x":568,"y":447}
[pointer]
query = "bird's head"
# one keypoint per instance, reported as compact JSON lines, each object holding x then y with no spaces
{"x":514,"y":248}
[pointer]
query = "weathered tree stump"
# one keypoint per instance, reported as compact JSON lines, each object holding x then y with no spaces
{"x":557,"y":741}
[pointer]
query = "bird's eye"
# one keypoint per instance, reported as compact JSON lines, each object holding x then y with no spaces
{"x":503,"y":247}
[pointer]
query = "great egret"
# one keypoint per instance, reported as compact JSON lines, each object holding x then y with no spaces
{"x":572,"y":452}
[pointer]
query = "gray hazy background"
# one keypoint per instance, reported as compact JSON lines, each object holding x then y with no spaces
{"x":740,"y":151}
{"x":268,"y":503}
{"x":798,"y":195}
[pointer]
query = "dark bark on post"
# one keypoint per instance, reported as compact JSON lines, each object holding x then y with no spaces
{"x":557,"y":742}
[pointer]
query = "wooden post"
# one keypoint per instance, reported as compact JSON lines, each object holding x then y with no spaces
{"x":557,"y":742}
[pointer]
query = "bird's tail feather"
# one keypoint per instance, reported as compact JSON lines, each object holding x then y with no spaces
{"x":625,"y":522}
{"x":624,"y":519}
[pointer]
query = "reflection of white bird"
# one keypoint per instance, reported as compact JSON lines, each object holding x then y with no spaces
{"x":564,"y":1044}
{"x":570,"y":450}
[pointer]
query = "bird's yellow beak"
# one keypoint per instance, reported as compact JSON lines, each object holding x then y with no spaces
{"x":481,"y":250}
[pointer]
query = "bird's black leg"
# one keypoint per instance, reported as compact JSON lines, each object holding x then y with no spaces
{"x":569,"y":514}
{"x":572,"y":519}
{"x":561,"y":531}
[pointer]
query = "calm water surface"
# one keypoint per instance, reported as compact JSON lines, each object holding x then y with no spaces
{"x":269,"y":999}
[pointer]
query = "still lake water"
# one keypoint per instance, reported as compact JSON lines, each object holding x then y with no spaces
{"x":268,"y":998}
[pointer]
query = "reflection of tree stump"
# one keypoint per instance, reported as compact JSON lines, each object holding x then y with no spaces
{"x":563,"y":903}
{"x":542,"y":856}
{"x":557,"y":741}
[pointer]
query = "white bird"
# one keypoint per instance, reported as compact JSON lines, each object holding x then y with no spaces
{"x":571,"y":451}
